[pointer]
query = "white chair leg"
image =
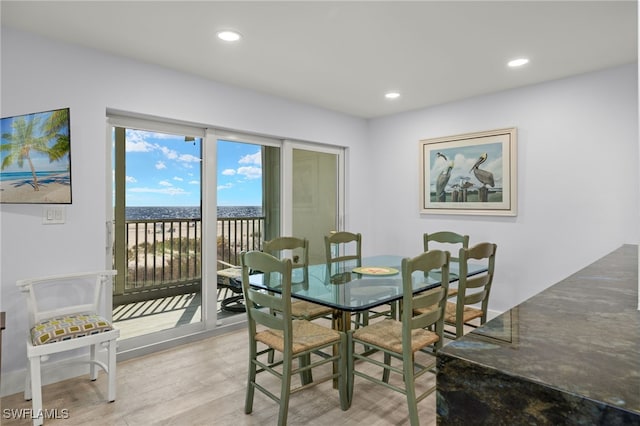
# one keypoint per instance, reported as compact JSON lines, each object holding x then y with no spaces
{"x":111,"y":373}
{"x":27,"y":383}
{"x":36,"y":390}
{"x":93,"y":371}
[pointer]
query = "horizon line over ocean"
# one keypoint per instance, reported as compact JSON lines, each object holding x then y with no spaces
{"x":4,"y":176}
{"x":188,"y":212}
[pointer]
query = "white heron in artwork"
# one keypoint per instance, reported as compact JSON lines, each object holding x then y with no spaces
{"x":443,"y":177}
{"x":484,"y":176}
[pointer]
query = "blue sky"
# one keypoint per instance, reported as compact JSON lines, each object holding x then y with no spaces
{"x":239,"y":174}
{"x":164,"y":170}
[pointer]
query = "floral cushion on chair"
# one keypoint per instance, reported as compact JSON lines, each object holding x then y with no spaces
{"x":68,"y":327}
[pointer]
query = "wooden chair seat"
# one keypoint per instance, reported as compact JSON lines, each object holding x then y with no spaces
{"x":309,"y":310}
{"x":388,"y":335}
{"x":306,"y":336}
{"x":469,"y":313}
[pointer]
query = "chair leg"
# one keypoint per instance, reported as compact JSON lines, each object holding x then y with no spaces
{"x":36,"y":390}
{"x":285,"y":389}
{"x":111,"y":373}
{"x":343,"y":380}
{"x":27,"y":383}
{"x":386,"y":371}
{"x":350,"y":366}
{"x":409,"y":382}
{"x":306,"y":376}
{"x":93,"y":370}
{"x":251,"y":379}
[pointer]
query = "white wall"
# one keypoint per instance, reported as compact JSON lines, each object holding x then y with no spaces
{"x":577,"y":177}
{"x":576,"y":136}
{"x":38,"y":75}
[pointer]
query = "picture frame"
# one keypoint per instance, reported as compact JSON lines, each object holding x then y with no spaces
{"x":470,"y":174}
{"x":35,"y":158}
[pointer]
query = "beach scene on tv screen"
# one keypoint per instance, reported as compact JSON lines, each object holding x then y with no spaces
{"x":35,"y":158}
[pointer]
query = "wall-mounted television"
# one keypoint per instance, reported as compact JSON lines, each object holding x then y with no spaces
{"x":35,"y":158}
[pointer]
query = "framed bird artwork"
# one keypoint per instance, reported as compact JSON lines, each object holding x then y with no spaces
{"x":472,"y":173}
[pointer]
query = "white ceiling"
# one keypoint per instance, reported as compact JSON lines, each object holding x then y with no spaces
{"x":343,"y":55}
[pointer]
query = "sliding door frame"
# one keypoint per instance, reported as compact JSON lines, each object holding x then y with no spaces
{"x":288,"y":146}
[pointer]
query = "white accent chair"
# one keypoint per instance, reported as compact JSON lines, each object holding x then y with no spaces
{"x":68,"y":312}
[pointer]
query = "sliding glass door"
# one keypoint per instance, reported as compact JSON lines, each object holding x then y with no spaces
{"x":187,"y":201}
{"x":157,"y":230}
{"x":247,"y":210}
{"x":315,"y":194}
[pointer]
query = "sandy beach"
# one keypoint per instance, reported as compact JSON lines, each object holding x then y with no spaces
{"x":54,"y":189}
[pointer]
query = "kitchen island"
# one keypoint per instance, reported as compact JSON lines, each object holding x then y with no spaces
{"x":569,"y":355}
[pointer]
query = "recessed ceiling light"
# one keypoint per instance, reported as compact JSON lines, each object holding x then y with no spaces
{"x":518,"y":62}
{"x":392,"y":95}
{"x":229,"y":35}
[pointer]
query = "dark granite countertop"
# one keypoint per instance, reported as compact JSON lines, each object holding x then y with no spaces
{"x":580,"y":336}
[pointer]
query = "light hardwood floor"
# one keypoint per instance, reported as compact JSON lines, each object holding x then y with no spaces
{"x":204,"y":383}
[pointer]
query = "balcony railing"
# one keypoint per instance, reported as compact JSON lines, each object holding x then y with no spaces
{"x":164,"y":256}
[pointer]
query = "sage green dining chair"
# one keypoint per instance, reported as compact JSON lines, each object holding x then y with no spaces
{"x":446,"y":240}
{"x":344,"y":253}
{"x":294,"y":338}
{"x":297,"y":249}
{"x":409,"y":345}
{"x":472,"y":300}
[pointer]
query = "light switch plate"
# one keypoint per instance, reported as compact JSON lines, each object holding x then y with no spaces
{"x":53,"y":215}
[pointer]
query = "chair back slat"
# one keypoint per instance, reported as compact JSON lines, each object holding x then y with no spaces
{"x":426,"y":262}
{"x":432,"y":300}
{"x":261,"y":305}
{"x":266,"y":318}
{"x":298,"y":252}
{"x":485,"y":252}
{"x":444,"y":238}
{"x":478,"y":281}
{"x":473,"y":298}
{"x":349,"y":249}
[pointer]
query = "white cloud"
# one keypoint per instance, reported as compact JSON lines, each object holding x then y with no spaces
{"x":178,"y":178}
{"x":138,"y":146}
{"x":228,"y":172}
{"x":169,"y":153}
{"x":194,"y":182}
{"x":166,"y":191}
{"x":252,"y":159}
{"x":131,"y":179}
{"x":160,"y":165}
{"x":164,"y":183}
{"x":225,"y":186}
{"x":250,"y":172}
{"x":188,"y":158}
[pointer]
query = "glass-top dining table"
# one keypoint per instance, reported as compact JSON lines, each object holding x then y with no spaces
{"x":380,"y":284}
{"x":359,"y":292}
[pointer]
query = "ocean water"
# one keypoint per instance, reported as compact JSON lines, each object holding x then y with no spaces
{"x":29,"y":175}
{"x":189,"y":212}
